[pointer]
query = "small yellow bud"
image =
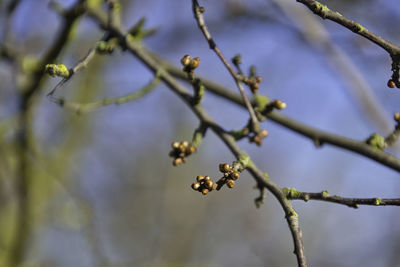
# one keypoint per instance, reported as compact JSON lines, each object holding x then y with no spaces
{"x":280,"y":104}
{"x":209,"y":184}
{"x":175,"y":145}
{"x":196,"y":186}
{"x":263,"y":133}
{"x":186,"y":60}
{"x":230,"y":183}
{"x":194,"y":63}
{"x":177,"y":161}
{"x":235,"y":175}
{"x":397,"y":116}
{"x":199,"y":178}
{"x":205,"y":191}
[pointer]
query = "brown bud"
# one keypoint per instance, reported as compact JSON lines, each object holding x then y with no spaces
{"x":254,"y":86}
{"x":177,"y":161}
{"x":391,"y":83}
{"x":396,"y":116}
{"x":175,"y":145}
{"x":221,"y":167}
{"x":258,"y":140}
{"x":194,"y":63}
{"x":207,"y":178}
{"x":199,"y":178}
{"x":185,"y":143}
{"x":235,"y":175}
{"x":205,"y":191}
{"x":259,"y":79}
{"x":196,"y":186}
{"x":227,"y":167}
{"x":230,"y":183}
{"x":186,"y":60}
{"x":190,"y":150}
{"x":209,"y":184}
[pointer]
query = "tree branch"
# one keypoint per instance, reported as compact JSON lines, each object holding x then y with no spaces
{"x":293,"y":194}
{"x":319,"y":137}
{"x":325,"y":13}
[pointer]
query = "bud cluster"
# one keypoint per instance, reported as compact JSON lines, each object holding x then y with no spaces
{"x":180,"y":151}
{"x":259,"y":137}
{"x":230,"y":176}
{"x":253,"y":83}
{"x":204,"y":184}
{"x":189,"y":63}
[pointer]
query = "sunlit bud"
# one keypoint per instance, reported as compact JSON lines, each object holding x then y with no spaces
{"x":235,"y":175}
{"x":177,"y":161}
{"x":259,"y":79}
{"x":185,"y":143}
{"x":280,"y":104}
{"x":190,"y":150}
{"x":205,"y":191}
{"x":196,"y":186}
{"x":209,"y":184}
{"x":194,"y":63}
{"x":391,"y":84}
{"x":263,"y":133}
{"x":186,"y":60}
{"x":227,"y":167}
{"x":175,"y":145}
{"x":396,"y":116}
{"x":199,"y":178}
{"x":207,"y":178}
{"x":230,"y":183}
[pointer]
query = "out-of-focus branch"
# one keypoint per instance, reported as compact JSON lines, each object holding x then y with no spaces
{"x":20,"y":241}
{"x":80,"y":108}
{"x":325,"y":13}
{"x":317,"y":136}
{"x":316,"y":35}
{"x":293,"y":194}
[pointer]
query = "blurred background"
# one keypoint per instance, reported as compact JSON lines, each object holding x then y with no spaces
{"x":102,"y":190}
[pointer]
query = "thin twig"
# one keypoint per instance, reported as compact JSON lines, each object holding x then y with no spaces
{"x":293,"y":194}
{"x":80,"y":108}
{"x":325,"y":13}
{"x":80,"y":65}
{"x":237,"y":77}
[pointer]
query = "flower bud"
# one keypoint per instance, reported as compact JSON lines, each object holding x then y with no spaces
{"x":199,"y":178}
{"x":230,"y":183}
{"x":397,"y":116}
{"x":186,"y":60}
{"x":209,"y":184}
{"x":235,"y":175}
{"x":177,"y":161}
{"x":196,"y":186}
{"x":175,"y":145}
{"x":391,"y":83}
{"x":205,"y":191}
{"x":280,"y":104}
{"x":194,"y":63}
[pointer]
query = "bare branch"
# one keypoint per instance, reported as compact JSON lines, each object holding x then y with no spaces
{"x":293,"y":194}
